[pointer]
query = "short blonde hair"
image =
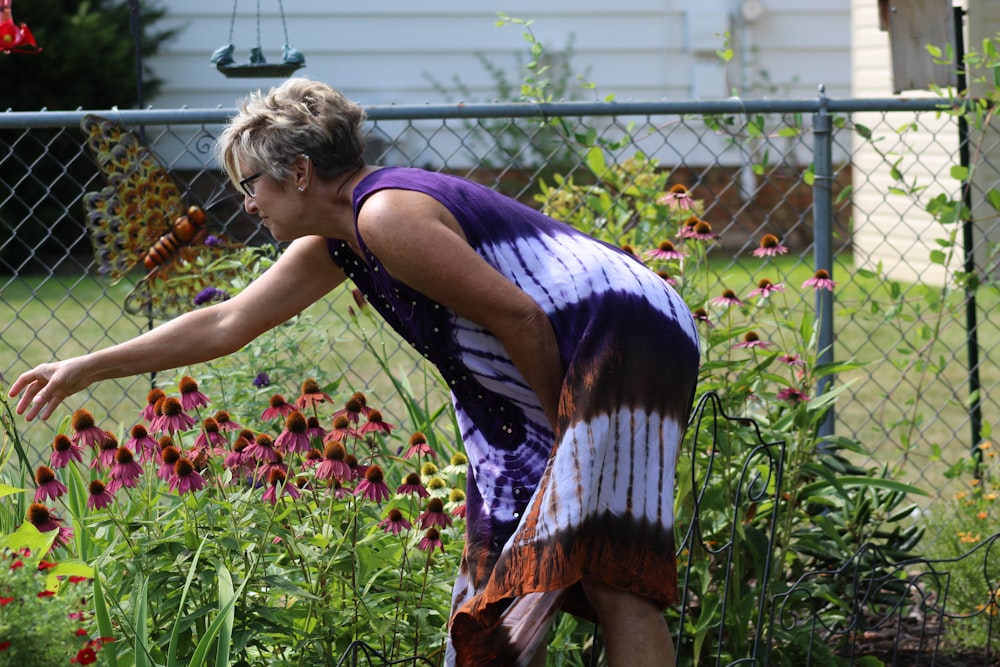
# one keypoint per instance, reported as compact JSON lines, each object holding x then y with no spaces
{"x":299,"y":117}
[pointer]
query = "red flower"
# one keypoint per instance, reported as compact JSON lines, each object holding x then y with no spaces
{"x":85,"y":656}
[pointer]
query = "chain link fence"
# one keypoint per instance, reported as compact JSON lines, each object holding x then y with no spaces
{"x":844,"y":184}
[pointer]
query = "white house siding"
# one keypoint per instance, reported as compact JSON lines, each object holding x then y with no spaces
{"x":894,"y":230}
{"x":386,"y":52}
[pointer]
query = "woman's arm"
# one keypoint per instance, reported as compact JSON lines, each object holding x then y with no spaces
{"x":300,"y":277}
{"x":419,"y":242}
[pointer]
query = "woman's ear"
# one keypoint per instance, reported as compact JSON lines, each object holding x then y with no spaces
{"x":303,"y":172}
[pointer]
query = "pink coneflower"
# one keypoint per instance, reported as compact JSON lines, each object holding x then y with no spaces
{"x":152,"y":398}
{"x":105,"y":457}
{"x":171,"y":417}
{"x":64,"y":450}
{"x":418,"y":446}
{"x":341,"y":429}
{"x":311,"y":395}
{"x":276,"y":487}
{"x":434,"y":515}
{"x":85,"y":432}
{"x":676,"y":197}
{"x":315,"y":432}
{"x":727,"y":298}
{"x":821,"y":280}
{"x":702,"y":231}
{"x":210,"y":438}
{"x":358,"y":469}
{"x":770,"y":246}
{"x":277,"y":408}
{"x":792,"y":395}
{"x":394,"y":522}
{"x":125,"y":472}
{"x":262,"y":449}
{"x":185,"y":477}
{"x":169,"y":456}
{"x":629,"y":250}
{"x":430,"y":541}
{"x":334,"y":464}
{"x":664,"y":251}
{"x":354,"y":408}
{"x":412,"y":484}
{"x":237,"y":459}
{"x":701,"y":315}
{"x":312,"y":458}
{"x":42,"y":518}
{"x":791,"y":360}
{"x":687,"y":228}
{"x":226,"y":422}
{"x":666,"y":277}
{"x":294,"y":438}
{"x":374,"y":424}
{"x":48,"y":487}
{"x":765,"y":287}
{"x":142,"y":443}
{"x":373,"y":486}
{"x":751,"y":341}
{"x":265,"y":468}
{"x":191,"y":398}
{"x":99,"y":497}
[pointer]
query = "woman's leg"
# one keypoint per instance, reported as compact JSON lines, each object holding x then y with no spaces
{"x":634,"y":631}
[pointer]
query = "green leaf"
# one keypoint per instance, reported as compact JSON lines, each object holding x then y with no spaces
{"x":871,"y":482}
{"x":959,"y":172}
{"x":595,"y":162}
{"x":6,"y":490}
{"x":104,"y":626}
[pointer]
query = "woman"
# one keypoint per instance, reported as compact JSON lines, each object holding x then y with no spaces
{"x":572,"y":367}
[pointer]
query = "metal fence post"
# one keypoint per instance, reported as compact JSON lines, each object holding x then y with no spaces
{"x":823,"y":239}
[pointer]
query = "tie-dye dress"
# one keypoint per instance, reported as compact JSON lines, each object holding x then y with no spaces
{"x":544,"y":509}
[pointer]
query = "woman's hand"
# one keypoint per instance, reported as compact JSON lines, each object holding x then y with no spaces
{"x":44,"y":388}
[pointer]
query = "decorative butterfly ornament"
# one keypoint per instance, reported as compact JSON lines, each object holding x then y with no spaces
{"x":140,"y":218}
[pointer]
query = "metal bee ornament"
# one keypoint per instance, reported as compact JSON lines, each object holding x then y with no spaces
{"x":140,"y":218}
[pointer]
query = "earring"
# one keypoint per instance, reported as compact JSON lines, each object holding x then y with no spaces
{"x":302,"y":188}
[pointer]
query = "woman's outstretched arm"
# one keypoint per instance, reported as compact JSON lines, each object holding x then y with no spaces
{"x":300,"y":277}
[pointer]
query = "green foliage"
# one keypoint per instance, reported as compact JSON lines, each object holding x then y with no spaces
{"x":761,"y":360}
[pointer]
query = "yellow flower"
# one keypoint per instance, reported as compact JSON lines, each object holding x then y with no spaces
{"x":984,"y":445}
{"x":982,"y":515}
{"x":961,"y":495}
{"x":991,"y":496}
{"x":968,"y":538}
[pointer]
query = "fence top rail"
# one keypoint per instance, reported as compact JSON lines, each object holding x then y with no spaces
{"x":51,"y":119}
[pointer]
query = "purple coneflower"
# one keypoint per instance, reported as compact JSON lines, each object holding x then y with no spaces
{"x":315,"y":432}
{"x":99,"y":496}
{"x":701,"y":315}
{"x":125,"y":472}
{"x":237,"y":459}
{"x":312,"y":458}
{"x":354,"y":408}
{"x":821,"y":280}
{"x":152,"y":398}
{"x":666,"y":277}
{"x":791,"y":360}
{"x":334,"y":464}
{"x":727,"y":298}
{"x":431,"y":540}
{"x":341,"y":429}
{"x":792,"y":395}
{"x":676,"y":197}
{"x":185,"y":477}
{"x":665,"y":251}
{"x":142,"y":443}
{"x":210,"y":439}
{"x":169,"y":456}
{"x":434,"y":515}
{"x":265,"y":468}
{"x":394,"y":522}
{"x":275,"y":483}
{"x":48,"y":487}
{"x":629,"y":250}
{"x":687,"y":228}
{"x":262,"y":449}
{"x":311,"y":395}
{"x":42,"y":518}
{"x":171,"y":417}
{"x":191,"y":398}
{"x":770,"y":246}
{"x":226,"y":422}
{"x":374,"y":424}
{"x":751,"y":341}
{"x":277,"y":408}
{"x":294,"y":438}
{"x":702,"y":231}
{"x":418,"y":446}
{"x":358,"y":469}
{"x":105,"y":457}
{"x":64,"y":450}
{"x":765,"y":287}
{"x":373,"y":486}
{"x":412,"y":484}
{"x":85,"y":432}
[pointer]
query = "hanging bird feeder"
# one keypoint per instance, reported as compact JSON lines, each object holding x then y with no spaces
{"x":291,"y":58}
{"x":14,"y":38}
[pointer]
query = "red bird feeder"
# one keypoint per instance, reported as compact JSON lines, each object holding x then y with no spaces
{"x":14,"y":38}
